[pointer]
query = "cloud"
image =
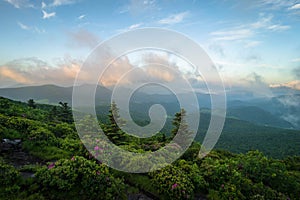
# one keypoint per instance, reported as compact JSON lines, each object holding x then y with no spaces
{"x":296,"y":72}
{"x":137,"y":7}
{"x":135,"y":26}
{"x":217,"y":49}
{"x":81,"y":17}
{"x":29,"y":28}
{"x":235,"y":34}
{"x":296,"y":60}
{"x":244,"y":31}
{"x":44,"y":5}
{"x":263,"y":22}
{"x":62,"y":2}
{"x":34,"y":71}
{"x":292,"y":105}
{"x":292,"y":84}
{"x":82,"y":38}
{"x":131,"y":27}
{"x":294,"y":7}
{"x":157,"y":68}
{"x":174,"y":19}
{"x":274,"y":4}
{"x":277,"y":27}
{"x":251,"y":44}
{"x":23,"y":26}
{"x":11,"y":74}
{"x":48,"y":15}
{"x":20,"y":3}
{"x":256,"y":84}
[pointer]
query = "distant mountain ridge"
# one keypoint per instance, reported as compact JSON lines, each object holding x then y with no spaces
{"x":280,"y":111}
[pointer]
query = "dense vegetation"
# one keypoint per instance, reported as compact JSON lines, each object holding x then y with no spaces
{"x":61,"y":168}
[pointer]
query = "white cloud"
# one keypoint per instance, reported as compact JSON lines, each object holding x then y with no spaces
{"x":277,"y":27}
{"x":244,"y":31}
{"x":44,"y":5}
{"x":137,"y":6}
{"x":35,"y":71}
{"x":20,"y":3}
{"x":296,"y":60}
{"x":62,"y":2}
{"x":29,"y":28}
{"x":82,"y":38}
{"x":135,"y":26}
{"x":48,"y":15}
{"x":23,"y":26}
{"x":174,"y":19}
{"x":81,"y":17}
{"x":262,"y":22}
{"x":294,"y":7}
{"x":275,"y":4}
{"x":131,"y":27}
{"x":250,"y":44}
{"x":235,"y":34}
{"x":292,"y":84}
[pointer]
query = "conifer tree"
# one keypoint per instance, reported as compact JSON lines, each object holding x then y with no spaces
{"x":31,"y":103}
{"x":181,"y":128}
{"x":112,"y":130}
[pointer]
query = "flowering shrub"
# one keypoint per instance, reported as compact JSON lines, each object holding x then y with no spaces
{"x":173,"y":183}
{"x":78,"y":178}
{"x":10,"y":178}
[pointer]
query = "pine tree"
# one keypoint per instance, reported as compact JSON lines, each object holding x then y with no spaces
{"x":65,"y":112}
{"x":53,"y":114}
{"x":112,"y":130}
{"x":180,"y":124}
{"x":31,"y":103}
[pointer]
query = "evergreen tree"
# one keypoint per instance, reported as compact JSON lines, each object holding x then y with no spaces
{"x":53,"y":114}
{"x":65,"y":112}
{"x":180,"y":125}
{"x":112,"y":130}
{"x":31,"y":103}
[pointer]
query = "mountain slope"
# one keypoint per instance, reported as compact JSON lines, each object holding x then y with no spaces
{"x":258,"y":116}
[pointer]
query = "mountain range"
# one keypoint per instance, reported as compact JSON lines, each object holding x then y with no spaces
{"x":278,"y":111}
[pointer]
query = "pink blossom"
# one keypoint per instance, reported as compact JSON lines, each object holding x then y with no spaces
{"x":73,"y":158}
{"x":96,"y":148}
{"x":51,"y":165}
{"x":174,"y":186}
{"x":98,"y":173}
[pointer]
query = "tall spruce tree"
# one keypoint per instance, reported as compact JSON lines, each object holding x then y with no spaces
{"x":31,"y":103}
{"x":65,"y":112}
{"x":180,"y":124}
{"x":112,"y":129}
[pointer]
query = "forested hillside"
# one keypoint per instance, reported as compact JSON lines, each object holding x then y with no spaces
{"x":42,"y":157}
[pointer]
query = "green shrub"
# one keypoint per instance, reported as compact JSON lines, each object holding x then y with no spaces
{"x":173,"y":183}
{"x":78,"y":178}
{"x":10,"y":179}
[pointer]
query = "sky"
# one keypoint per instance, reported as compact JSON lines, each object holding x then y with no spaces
{"x":250,"y":42}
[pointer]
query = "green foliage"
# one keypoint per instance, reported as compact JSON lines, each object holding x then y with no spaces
{"x":78,"y":178}
{"x":64,"y":130}
{"x":65,"y":112}
{"x":47,"y":133}
{"x":246,"y":176}
{"x":173,"y":183}
{"x":193,"y":172}
{"x":112,"y":129}
{"x":10,"y":179}
{"x":179,"y":123}
{"x":31,"y":103}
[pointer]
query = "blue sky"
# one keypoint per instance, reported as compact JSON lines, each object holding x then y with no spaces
{"x":246,"y":39}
